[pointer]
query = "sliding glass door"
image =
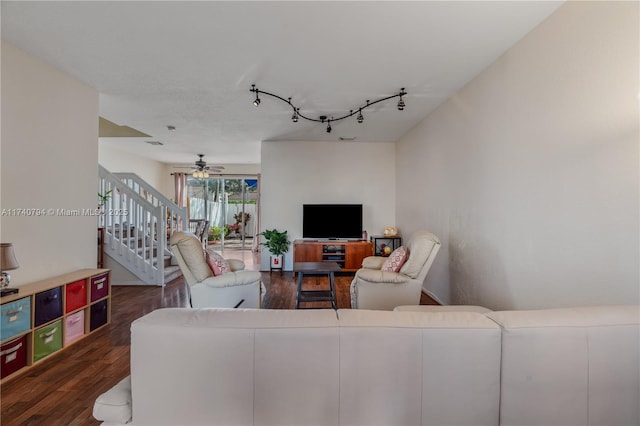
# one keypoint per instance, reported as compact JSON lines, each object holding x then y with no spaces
{"x":230,"y":204}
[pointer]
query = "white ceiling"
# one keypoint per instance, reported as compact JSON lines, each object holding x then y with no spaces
{"x":191,"y":64}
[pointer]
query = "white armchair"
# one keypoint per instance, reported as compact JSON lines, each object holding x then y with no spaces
{"x":209,"y":291}
{"x":373,"y":288}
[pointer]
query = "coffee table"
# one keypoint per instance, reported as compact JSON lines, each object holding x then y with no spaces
{"x":316,"y":268}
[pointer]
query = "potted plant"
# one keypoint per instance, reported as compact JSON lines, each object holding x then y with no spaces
{"x":278,"y":244}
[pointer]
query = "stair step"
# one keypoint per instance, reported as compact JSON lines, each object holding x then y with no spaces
{"x":171,"y":273}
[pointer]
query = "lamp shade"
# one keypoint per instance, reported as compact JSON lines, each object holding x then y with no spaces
{"x":8,"y":259}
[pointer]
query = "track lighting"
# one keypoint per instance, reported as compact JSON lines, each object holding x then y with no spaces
{"x":294,"y":117}
{"x":401,"y":103}
{"x":297,"y":115}
{"x":257,"y":101}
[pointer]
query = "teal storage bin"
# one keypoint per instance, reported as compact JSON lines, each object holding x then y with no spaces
{"x":47,"y":340}
{"x":15,"y":318}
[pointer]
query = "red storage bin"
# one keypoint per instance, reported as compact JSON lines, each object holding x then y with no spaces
{"x":73,"y":327}
{"x":99,"y":286}
{"x":13,"y":356}
{"x":76,"y":295}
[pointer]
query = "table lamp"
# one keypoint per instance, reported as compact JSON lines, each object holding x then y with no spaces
{"x":8,"y":262}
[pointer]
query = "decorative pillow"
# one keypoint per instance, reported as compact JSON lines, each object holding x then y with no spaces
{"x":217,"y":263}
{"x":395,"y":260}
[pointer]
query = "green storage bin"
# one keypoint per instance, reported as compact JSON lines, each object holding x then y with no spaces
{"x":47,"y":340}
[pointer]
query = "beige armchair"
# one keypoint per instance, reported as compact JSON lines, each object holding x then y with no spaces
{"x":372,"y":288}
{"x":238,"y":288}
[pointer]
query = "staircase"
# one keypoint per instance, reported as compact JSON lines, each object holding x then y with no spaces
{"x":138,"y":222}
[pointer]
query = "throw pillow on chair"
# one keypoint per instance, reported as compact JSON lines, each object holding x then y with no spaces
{"x":395,"y":260}
{"x":217,"y":263}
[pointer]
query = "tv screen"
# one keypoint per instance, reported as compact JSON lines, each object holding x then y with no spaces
{"x":332,"y":221}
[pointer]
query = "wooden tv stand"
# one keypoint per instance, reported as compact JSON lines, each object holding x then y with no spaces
{"x":348,"y":254}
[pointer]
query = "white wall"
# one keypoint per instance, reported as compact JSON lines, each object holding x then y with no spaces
{"x":529,"y":174}
{"x":297,"y":173}
{"x":49,"y":161}
{"x":153,"y":172}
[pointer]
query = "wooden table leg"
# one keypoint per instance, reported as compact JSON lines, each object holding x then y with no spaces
{"x":298,"y":290}
{"x":332,"y":287}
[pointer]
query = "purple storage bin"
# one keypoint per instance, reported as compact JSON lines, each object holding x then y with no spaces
{"x":99,"y":286}
{"x":99,"y":314}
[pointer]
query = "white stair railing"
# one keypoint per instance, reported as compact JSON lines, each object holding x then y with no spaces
{"x":176,"y":216}
{"x":136,"y":230}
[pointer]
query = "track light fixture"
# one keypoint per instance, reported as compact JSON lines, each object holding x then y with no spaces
{"x":400,"y":104}
{"x":297,"y":115}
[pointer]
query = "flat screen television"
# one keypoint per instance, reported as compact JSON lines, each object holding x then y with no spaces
{"x":332,"y":221}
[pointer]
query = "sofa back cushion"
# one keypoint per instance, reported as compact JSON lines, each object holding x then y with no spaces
{"x":572,"y":366}
{"x":420,"y":248}
{"x":235,"y":367}
{"x":415,"y":368}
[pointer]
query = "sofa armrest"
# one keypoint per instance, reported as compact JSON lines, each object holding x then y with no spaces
{"x":373,"y":262}
{"x":114,"y":406}
{"x":231,"y":279}
{"x":377,"y":276}
{"x":236,"y":264}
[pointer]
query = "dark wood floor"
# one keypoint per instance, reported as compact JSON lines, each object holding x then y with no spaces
{"x":61,"y":390}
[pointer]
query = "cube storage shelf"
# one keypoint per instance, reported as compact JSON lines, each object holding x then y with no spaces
{"x":47,"y":316}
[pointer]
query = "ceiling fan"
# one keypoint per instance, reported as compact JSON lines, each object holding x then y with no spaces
{"x":201,"y":170}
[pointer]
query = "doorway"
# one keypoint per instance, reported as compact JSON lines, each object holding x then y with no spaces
{"x":231,"y":205}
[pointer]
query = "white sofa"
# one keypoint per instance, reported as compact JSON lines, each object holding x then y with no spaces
{"x":357,"y":367}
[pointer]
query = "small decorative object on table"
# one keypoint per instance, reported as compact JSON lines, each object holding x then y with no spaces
{"x":8,"y":262}
{"x":390,"y":231}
